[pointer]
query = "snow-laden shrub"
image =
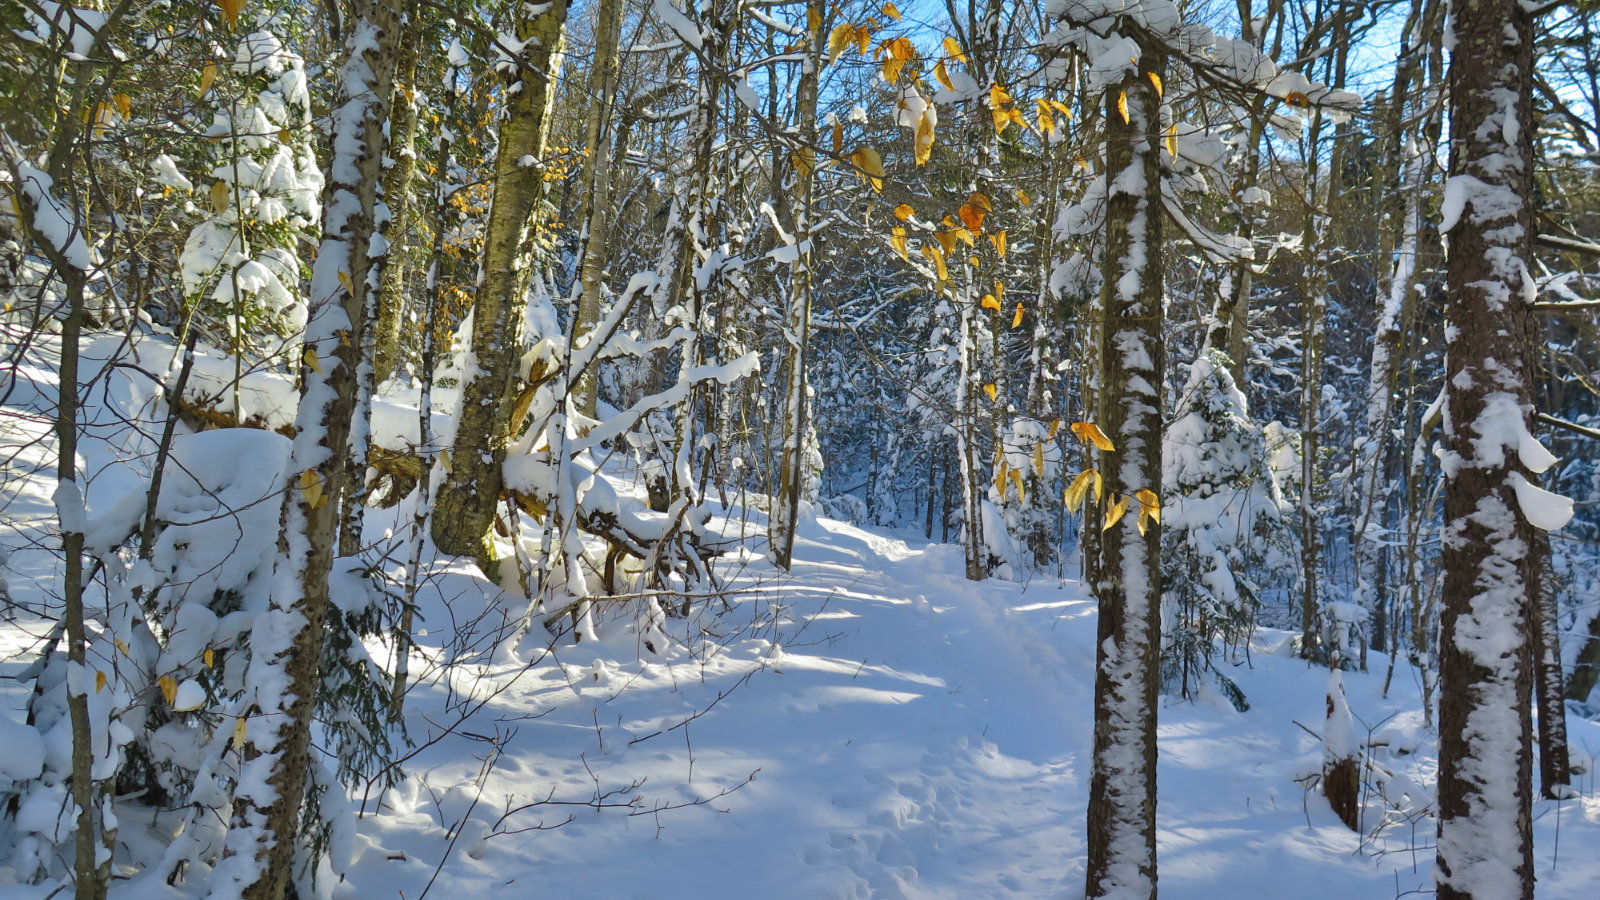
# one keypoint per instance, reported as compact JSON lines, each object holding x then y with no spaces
{"x":1027,"y":464}
{"x":1222,"y":525}
{"x":240,"y":266}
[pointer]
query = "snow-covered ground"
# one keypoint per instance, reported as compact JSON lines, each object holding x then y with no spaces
{"x":870,"y":725}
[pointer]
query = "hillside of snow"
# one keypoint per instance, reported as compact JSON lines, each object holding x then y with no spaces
{"x":870,"y":725}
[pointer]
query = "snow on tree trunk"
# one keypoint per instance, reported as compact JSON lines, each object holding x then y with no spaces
{"x":793,"y":463}
{"x":603,"y":76}
{"x":1484,"y":844}
{"x":1127,"y":586}
{"x":465,"y":509}
{"x":286,"y":642}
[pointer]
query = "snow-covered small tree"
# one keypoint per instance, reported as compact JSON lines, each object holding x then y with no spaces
{"x":1222,"y":523}
{"x":240,"y":266}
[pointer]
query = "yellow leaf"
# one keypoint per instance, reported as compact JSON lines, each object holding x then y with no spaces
{"x":1016,"y":479}
{"x":904,"y":212}
{"x":1016,"y":318}
{"x":890,"y":11}
{"x":869,"y":166}
{"x":1172,"y":140}
{"x":1023,"y":196}
{"x":943,"y":76}
{"x":1047,"y":122}
{"x":805,"y":161}
{"x":953,"y":49}
{"x":1073,"y":495}
{"x":989,"y":302}
{"x":1090,"y":433}
{"x":1038,"y":458}
{"x":972,"y":216}
{"x":346,"y":282}
{"x":813,"y":20}
{"x":947,"y":241}
{"x":1150,"y":503}
{"x":309,"y":357}
{"x":991,"y":391}
{"x":937,"y":258}
{"x":219,"y":197}
{"x":169,"y":688}
{"x":209,"y":657}
{"x":99,"y":680}
{"x":208,"y":77}
{"x":1060,"y":107}
{"x":231,"y":10}
{"x":1000,"y":480}
{"x":1155,"y":80}
{"x":1298,"y":99}
{"x":1099,"y":486}
{"x":311,"y":486}
{"x":1015,"y":115}
{"x":999,"y":294}
{"x":1055,"y":428}
{"x":922,"y":146}
{"x":863,"y":40}
{"x":998,"y":239}
{"x":121,"y":645}
{"x":964,"y":236}
{"x":974,"y":262}
{"x":997,"y":108}
{"x":838,"y":137}
{"x":897,"y":240}
{"x":1122,"y":107}
{"x":841,"y":37}
{"x":124,"y":104}
{"x":239,"y":729}
{"x":1115,"y":513}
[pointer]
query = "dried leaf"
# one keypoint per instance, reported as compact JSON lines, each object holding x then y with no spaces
{"x":1090,"y":433}
{"x":1172,"y":140}
{"x":1122,"y":107}
{"x":208,"y":77}
{"x":1022,"y":195}
{"x":863,"y":40}
{"x":891,"y":11}
{"x":991,"y":391}
{"x":998,"y":239}
{"x":937,"y":258}
{"x":121,"y":645}
{"x":1074,"y":494}
{"x":1055,"y":428}
{"x":953,"y":50}
{"x":1099,"y":486}
{"x":964,"y":236}
{"x":922,"y":144}
{"x":1297,"y":99}
{"x":311,"y":486}
{"x":997,"y":108}
{"x":989,"y":302}
{"x":309,"y":357}
{"x":943,"y":76}
{"x":841,"y":37}
{"x":1038,"y":459}
{"x":230,"y":10}
{"x":1047,"y":121}
{"x":972,"y":216}
{"x":1022,"y":492}
{"x":1115,"y":513}
{"x":1000,"y":480}
{"x":805,"y":161}
{"x":904,"y":212}
{"x":1016,"y":318}
{"x":1156,"y":81}
{"x":1150,"y":503}
{"x":869,"y":165}
{"x":219,"y":197}
{"x":169,"y":688}
{"x":99,"y":680}
{"x":838,"y":137}
{"x":240,"y":727}
{"x":897,"y":240}
{"x":209,"y":657}
{"x":124,"y":104}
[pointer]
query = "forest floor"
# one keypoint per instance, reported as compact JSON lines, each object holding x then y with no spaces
{"x":869,"y":725}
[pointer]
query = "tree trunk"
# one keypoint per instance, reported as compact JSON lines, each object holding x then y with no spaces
{"x":1485,"y":848}
{"x":597,"y":187}
{"x":797,"y":333}
{"x":1549,"y":682}
{"x":465,"y":508}
{"x":1127,"y":583}
{"x":286,"y":642}
{"x":387,"y":354}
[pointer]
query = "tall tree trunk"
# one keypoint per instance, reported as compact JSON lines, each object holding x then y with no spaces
{"x":286,"y":642}
{"x":597,"y":186}
{"x":797,"y":333}
{"x":465,"y":509}
{"x":1549,"y":681}
{"x":1485,"y":848}
{"x":1127,"y":584}
{"x":387,"y":355}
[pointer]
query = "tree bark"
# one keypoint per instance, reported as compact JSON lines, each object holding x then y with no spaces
{"x":286,"y":642}
{"x":1127,"y":583}
{"x":465,"y":509}
{"x":1485,"y":848}
{"x":597,"y":187}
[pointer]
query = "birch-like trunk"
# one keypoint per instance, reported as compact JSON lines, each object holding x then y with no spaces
{"x":286,"y":642}
{"x":1127,"y":585}
{"x":465,"y":510}
{"x":603,"y":76}
{"x":797,"y":331}
{"x":1485,"y":848}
